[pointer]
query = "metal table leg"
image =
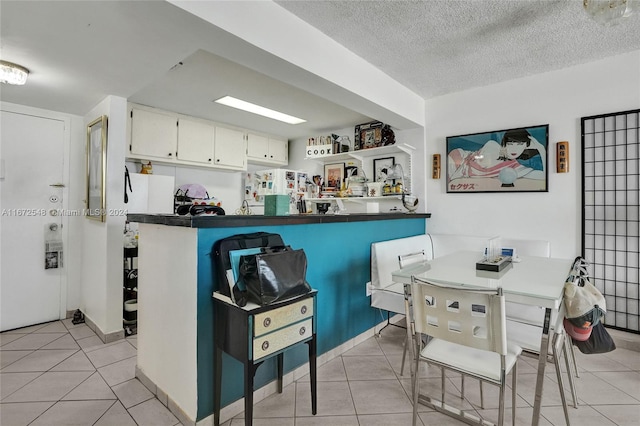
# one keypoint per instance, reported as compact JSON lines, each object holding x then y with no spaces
{"x":542,"y":363}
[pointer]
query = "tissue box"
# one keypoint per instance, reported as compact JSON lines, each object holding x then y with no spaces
{"x":276,"y":205}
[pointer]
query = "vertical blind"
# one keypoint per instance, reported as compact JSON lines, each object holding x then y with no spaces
{"x":611,"y":212}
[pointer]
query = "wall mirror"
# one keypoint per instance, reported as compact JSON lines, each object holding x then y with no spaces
{"x":96,"y":169}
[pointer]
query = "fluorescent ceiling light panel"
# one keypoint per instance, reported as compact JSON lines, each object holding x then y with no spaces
{"x":257,"y":109}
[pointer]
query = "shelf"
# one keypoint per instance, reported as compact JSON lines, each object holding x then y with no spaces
{"x":364,"y":153}
{"x":354,"y":199}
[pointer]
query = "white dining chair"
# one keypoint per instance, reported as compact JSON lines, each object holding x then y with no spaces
{"x":468,"y":330}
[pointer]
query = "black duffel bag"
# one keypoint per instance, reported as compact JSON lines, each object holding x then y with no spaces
{"x":274,"y":276}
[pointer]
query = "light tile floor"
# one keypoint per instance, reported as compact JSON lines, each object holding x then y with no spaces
{"x":60,"y":374}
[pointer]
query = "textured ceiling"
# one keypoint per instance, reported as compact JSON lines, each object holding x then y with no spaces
{"x":435,"y":47}
{"x":80,"y":52}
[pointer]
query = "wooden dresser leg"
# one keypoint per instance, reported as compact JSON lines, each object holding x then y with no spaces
{"x":280,"y":371}
{"x":313,"y":375}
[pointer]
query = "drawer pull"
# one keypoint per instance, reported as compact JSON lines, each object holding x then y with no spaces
{"x":266,"y":322}
{"x":265,"y":345}
{"x":303,"y":310}
{"x":302,"y":331}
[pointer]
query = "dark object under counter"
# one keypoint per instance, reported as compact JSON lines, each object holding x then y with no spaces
{"x":228,"y":221}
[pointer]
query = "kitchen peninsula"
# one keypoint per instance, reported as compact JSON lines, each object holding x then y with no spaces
{"x":177,"y":279}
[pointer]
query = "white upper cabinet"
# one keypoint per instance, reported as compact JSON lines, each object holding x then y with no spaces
{"x":168,"y":137}
{"x":195,"y":141}
{"x":230,"y":148}
{"x":279,"y":150}
{"x":266,"y":150}
{"x":153,"y":134}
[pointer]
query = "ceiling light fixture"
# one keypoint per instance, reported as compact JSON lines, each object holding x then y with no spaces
{"x":610,"y":12}
{"x":260,"y":110}
{"x":11,"y":73}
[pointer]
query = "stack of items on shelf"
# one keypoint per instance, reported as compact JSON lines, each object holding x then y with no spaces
{"x":130,"y":281}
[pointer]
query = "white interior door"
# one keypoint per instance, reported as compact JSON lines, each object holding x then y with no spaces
{"x":31,"y":157}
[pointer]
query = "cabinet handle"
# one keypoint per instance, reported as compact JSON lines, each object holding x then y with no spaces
{"x":266,"y":322}
{"x":265,"y":345}
{"x":170,"y":154}
{"x":303,"y":330}
{"x":217,"y":160}
{"x":303,"y":310}
{"x":209,"y":159}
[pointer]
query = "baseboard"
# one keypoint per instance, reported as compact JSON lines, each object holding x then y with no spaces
{"x":105,"y":337}
{"x":625,"y":340}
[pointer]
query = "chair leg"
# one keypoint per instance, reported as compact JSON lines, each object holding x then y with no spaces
{"x":514,"y":395}
{"x":556,"y":361}
{"x":573,"y":356}
{"x":404,"y":353}
{"x":572,"y":385}
{"x":416,"y":384}
{"x":501,"y":402}
{"x":481,"y":396}
{"x":442,"y":386}
{"x":462,"y":386}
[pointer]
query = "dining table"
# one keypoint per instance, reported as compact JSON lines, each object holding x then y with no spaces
{"x":528,"y":280}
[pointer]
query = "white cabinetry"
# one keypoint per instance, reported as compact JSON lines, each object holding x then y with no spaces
{"x":267,"y":150}
{"x":172,"y":138}
{"x":195,"y":141}
{"x":153,"y":134}
{"x":230,"y":149}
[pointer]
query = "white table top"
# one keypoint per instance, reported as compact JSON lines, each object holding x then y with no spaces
{"x":537,"y":281}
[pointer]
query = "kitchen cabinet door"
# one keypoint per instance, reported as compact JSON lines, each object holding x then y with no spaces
{"x":279,"y":150}
{"x":257,"y":147}
{"x":153,"y":134}
{"x":265,"y":150}
{"x":230,"y":150}
{"x":195,"y":141}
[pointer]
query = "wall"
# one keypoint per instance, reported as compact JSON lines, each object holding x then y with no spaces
{"x":558,"y":98}
{"x":226,"y":186}
{"x":102,"y":241}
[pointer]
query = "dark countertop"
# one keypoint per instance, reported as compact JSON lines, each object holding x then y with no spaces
{"x":259,"y":220}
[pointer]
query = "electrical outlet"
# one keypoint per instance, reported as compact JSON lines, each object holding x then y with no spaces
{"x":369,"y":288}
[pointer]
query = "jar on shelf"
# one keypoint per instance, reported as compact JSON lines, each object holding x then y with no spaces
{"x":386,"y":189}
{"x":398,"y":188}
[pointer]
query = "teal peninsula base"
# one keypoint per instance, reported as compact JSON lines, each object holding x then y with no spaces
{"x":177,"y":280}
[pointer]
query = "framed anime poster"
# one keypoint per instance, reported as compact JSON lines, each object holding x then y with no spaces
{"x":511,"y":160}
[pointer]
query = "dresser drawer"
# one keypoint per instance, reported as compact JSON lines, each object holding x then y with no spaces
{"x":278,"y":340}
{"x":269,"y":321}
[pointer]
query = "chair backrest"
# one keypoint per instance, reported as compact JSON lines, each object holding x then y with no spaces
{"x":538,"y":248}
{"x":411,"y":258}
{"x":384,"y":256}
{"x":474,"y":318}
{"x":444,"y":244}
